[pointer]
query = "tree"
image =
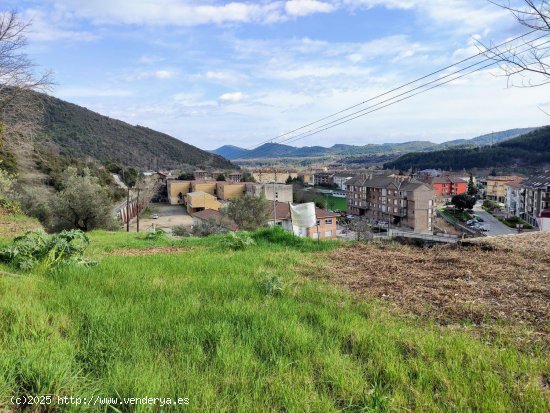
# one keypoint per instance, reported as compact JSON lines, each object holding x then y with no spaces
{"x":288,"y":180}
{"x":20,"y":114}
{"x":220,"y":177}
{"x":530,"y":55}
{"x":472,"y":189}
{"x":82,"y":203}
{"x":247,"y":177}
{"x":248,"y":212}
{"x":186,"y":176}
{"x":463,"y":201}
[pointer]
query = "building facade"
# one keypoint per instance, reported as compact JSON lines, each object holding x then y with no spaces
{"x":403,"y":203}
{"x":325,"y":228}
{"x":535,"y":201}
{"x":448,"y":186}
{"x":497,"y":187}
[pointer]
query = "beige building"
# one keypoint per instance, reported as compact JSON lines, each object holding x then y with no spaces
{"x":401,"y":203}
{"x":229,"y":190}
{"x":497,"y":187}
{"x":325,"y":228}
{"x":198,"y":201}
{"x":177,"y":190}
{"x":269,"y":176}
{"x":277,"y":192}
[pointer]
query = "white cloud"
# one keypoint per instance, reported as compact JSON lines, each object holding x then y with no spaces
{"x":150,"y":59}
{"x":160,"y":74}
{"x":53,"y":27}
{"x":232,"y":97}
{"x":307,"y":7}
{"x":79,"y":92}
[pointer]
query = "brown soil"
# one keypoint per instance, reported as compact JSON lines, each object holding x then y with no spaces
{"x":452,"y":285}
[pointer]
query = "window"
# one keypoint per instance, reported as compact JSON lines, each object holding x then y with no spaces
{"x":315,"y":235}
{"x":328,"y":221}
{"x":279,"y":223}
{"x":318,"y":222}
{"x":328,"y":234}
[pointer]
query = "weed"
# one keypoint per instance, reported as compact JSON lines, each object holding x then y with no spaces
{"x":272,"y":286}
{"x":237,"y":240}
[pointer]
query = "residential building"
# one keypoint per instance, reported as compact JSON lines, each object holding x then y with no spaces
{"x":323,"y":179}
{"x":211,"y":215}
{"x":401,"y":202}
{"x":497,"y":187}
{"x":513,"y":198}
{"x":269,"y":176}
{"x":235,"y":177}
{"x":446,"y":187}
{"x":339,"y":179}
{"x":325,"y":227}
{"x":199,"y":175}
{"x":197,"y":201}
{"x":535,"y":201}
{"x":277,"y":192}
{"x":177,"y":190}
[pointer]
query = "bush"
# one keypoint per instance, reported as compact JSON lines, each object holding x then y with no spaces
{"x":207,"y":228}
{"x":277,"y":235}
{"x":238,"y":240}
{"x":37,"y":248}
{"x":155,"y":235}
{"x":180,"y":231}
{"x":272,"y":286}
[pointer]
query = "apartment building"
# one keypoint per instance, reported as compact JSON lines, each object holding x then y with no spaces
{"x":448,"y":186}
{"x":339,"y":179}
{"x":401,"y":202}
{"x":513,"y":198}
{"x":497,"y":187}
{"x":535,"y":201}
{"x":323,"y":179}
{"x":269,"y":176}
{"x":277,"y":192}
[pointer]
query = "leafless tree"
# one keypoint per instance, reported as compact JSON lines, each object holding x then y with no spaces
{"x":19,"y":112}
{"x":528,"y":59}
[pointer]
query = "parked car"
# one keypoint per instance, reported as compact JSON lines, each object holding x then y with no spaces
{"x":154,"y":216}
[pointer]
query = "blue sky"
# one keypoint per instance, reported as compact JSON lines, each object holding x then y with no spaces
{"x":215,"y":72}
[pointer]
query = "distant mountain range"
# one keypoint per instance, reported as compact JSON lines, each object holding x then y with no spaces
{"x":276,"y":150}
{"x":528,"y":150}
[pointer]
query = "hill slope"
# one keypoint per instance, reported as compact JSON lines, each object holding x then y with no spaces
{"x":78,"y":132}
{"x":531,"y":149}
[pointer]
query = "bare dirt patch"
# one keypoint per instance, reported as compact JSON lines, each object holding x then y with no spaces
{"x":135,"y":252}
{"x":453,"y":285}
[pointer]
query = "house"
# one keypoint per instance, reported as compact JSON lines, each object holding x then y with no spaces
{"x":497,"y":187}
{"x":199,"y":175}
{"x":535,"y":201}
{"x":401,"y":202}
{"x":197,"y":201}
{"x":211,"y":215}
{"x":325,"y":228}
{"x":446,"y":187}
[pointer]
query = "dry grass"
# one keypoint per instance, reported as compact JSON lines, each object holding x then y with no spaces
{"x":454,"y":285}
{"x":15,"y":225}
{"x":530,"y":242}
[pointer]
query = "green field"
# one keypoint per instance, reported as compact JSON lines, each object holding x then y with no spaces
{"x":199,"y":323}
{"x":337,"y":203}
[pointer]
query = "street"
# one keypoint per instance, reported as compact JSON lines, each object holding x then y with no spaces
{"x":494,"y":225}
{"x":169,"y":216}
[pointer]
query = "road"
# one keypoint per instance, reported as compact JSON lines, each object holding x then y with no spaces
{"x":495,"y":226}
{"x":169,"y":216}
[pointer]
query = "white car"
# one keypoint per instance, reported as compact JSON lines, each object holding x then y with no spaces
{"x":154,"y":216}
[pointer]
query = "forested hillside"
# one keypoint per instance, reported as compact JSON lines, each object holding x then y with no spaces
{"x":532,"y":149}
{"x":78,"y":132}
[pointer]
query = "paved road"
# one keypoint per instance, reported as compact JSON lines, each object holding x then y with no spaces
{"x":169,"y":216}
{"x":495,"y":226}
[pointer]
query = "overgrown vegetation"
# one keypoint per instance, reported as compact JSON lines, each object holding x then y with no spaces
{"x":195,"y":323}
{"x":248,"y":212}
{"x":38,"y":249}
{"x":237,"y":240}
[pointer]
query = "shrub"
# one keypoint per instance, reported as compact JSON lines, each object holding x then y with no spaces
{"x":207,"y":228}
{"x":155,"y":235}
{"x":37,"y":248}
{"x":272,"y":286}
{"x":180,"y":231}
{"x":277,"y":235}
{"x":238,"y":240}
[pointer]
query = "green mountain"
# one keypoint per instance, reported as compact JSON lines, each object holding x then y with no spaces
{"x":276,"y":150}
{"x":531,"y":149}
{"x":77,"y":132}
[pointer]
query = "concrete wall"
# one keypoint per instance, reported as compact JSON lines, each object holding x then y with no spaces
{"x":204,"y":186}
{"x":176,"y":187}
{"x":197,"y":202}
{"x":267,"y":177}
{"x":227,"y":191}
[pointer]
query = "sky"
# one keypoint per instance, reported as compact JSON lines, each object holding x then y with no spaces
{"x":214,"y":72}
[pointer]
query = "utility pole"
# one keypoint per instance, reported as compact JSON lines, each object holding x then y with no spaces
{"x":137,"y":210}
{"x":128,"y":210}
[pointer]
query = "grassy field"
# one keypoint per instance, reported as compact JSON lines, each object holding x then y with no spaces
{"x":337,"y":203}
{"x":192,"y":319}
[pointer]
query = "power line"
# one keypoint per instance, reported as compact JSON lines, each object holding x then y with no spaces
{"x":397,"y":88}
{"x":339,"y":120}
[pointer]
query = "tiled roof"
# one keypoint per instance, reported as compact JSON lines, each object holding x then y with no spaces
{"x":216,"y":216}
{"x":386,"y":182}
{"x":447,"y":179}
{"x":537,"y":181}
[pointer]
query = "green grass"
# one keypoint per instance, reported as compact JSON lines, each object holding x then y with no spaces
{"x":337,"y":203}
{"x":200,"y":324}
